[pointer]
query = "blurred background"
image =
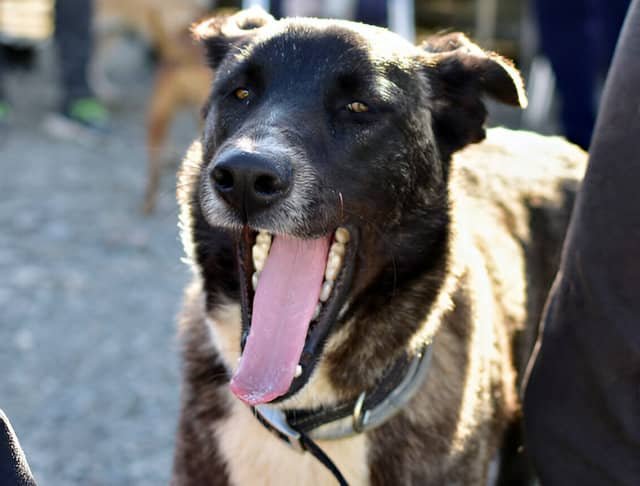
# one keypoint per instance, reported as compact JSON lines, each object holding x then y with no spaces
{"x":98,"y":102}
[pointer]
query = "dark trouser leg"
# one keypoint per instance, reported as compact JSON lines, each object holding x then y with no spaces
{"x":565,"y":39}
{"x":3,"y":71}
{"x":609,"y":15}
{"x":372,"y":12}
{"x":74,"y":41}
{"x":582,"y":399}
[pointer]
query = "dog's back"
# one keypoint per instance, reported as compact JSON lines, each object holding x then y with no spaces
{"x":514,"y":193}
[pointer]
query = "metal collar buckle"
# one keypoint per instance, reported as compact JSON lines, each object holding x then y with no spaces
{"x":358,"y":418}
{"x":276,"y":421}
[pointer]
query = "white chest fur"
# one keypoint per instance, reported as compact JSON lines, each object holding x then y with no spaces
{"x":256,"y":457}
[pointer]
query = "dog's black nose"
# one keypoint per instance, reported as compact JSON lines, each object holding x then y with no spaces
{"x":250,"y":182}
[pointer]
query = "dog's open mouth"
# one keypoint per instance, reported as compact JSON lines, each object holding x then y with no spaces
{"x":293,"y":290}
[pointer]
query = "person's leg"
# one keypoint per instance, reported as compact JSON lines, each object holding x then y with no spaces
{"x":565,"y":40}
{"x":4,"y":103}
{"x":582,"y":398}
{"x":609,"y":16}
{"x":79,"y":109}
{"x":372,"y":12}
{"x":74,"y":41}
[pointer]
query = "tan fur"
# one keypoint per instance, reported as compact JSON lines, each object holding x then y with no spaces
{"x":224,"y":324}
{"x":244,"y":441}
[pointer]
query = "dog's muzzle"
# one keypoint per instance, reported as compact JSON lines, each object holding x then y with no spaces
{"x":250,"y":182}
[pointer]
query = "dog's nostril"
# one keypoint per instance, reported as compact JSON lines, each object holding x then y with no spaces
{"x":249,"y":182}
{"x":266,"y":184}
{"x":223,"y":178}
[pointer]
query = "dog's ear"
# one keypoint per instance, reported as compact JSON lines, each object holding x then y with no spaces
{"x":460,"y":74}
{"x":219,"y":33}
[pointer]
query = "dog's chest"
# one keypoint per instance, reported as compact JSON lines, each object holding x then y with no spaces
{"x":255,"y":456}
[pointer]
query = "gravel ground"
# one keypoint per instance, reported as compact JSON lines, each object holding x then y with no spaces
{"x":89,"y":290}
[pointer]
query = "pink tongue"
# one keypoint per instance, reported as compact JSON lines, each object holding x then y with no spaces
{"x":286,"y":297}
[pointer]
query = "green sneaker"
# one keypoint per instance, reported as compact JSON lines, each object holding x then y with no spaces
{"x":5,"y":110}
{"x":81,"y":119}
{"x":5,"y":114}
{"x":88,"y":112}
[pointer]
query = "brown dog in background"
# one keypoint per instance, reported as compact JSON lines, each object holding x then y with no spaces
{"x":182,"y":82}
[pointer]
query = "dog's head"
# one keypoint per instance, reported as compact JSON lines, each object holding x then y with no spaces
{"x":320,"y":191}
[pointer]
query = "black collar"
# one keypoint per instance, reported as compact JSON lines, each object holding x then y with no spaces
{"x":372,"y":408}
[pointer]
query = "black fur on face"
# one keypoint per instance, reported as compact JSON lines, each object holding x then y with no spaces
{"x":382,"y":171}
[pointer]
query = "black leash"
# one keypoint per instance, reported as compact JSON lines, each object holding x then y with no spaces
{"x":275,"y":421}
{"x":319,"y":454}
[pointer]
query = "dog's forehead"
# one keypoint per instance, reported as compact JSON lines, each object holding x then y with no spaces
{"x":328,"y":45}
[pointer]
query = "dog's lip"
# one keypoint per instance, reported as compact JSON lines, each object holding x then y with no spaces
{"x":319,"y":330}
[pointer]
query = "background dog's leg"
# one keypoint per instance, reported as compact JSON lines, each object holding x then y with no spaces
{"x":161,"y":111}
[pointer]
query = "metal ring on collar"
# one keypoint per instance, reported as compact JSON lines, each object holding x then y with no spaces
{"x":358,"y":417}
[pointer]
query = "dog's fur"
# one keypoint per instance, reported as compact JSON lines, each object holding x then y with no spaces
{"x":458,"y":249}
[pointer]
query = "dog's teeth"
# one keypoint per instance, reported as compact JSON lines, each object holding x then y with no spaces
{"x":258,"y":265}
{"x":334,"y":263}
{"x":337,"y":248}
{"x":327,"y":287}
{"x":317,"y":310}
{"x":260,"y":250}
{"x":254,"y":280}
{"x":263,"y":239}
{"x":342,"y":235}
{"x":298,"y":371}
{"x":335,"y":258}
{"x":259,"y":254}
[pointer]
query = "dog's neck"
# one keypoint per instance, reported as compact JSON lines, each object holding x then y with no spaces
{"x":299,"y":428}
{"x":371,"y":408}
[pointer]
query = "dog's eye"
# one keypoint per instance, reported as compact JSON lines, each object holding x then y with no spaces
{"x":357,"y":107}
{"x":241,"y":93}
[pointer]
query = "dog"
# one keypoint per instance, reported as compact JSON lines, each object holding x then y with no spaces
{"x":370,"y":262}
{"x":182,"y":82}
